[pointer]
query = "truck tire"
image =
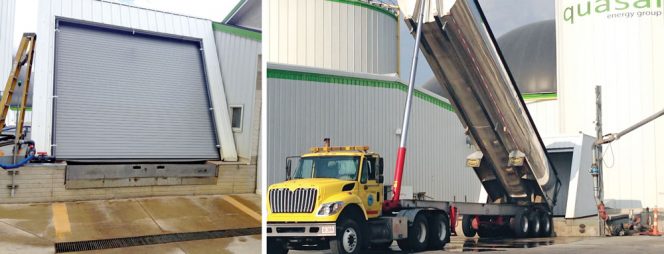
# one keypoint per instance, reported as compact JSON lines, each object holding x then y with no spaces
{"x":467,"y":226}
{"x":534,"y":223}
{"x":418,"y":236}
{"x":276,"y":247}
{"x":546,"y":224}
{"x":439,"y":231}
{"x":520,"y":224}
{"x":349,"y":237}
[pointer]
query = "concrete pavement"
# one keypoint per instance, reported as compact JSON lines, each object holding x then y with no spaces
{"x":35,"y":228}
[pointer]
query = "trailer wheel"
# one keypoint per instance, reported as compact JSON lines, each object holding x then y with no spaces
{"x":546,"y":224}
{"x":276,"y":247}
{"x":467,"y":226}
{"x":520,"y":224}
{"x":417,"y":235}
{"x":534,"y":223}
{"x":439,"y":228}
{"x":349,"y":237}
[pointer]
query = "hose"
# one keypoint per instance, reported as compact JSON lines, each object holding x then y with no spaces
{"x":19,"y":164}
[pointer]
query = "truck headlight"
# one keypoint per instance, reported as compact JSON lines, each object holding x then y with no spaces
{"x":330,"y":208}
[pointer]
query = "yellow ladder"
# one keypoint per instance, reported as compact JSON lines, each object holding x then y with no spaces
{"x":24,"y":57}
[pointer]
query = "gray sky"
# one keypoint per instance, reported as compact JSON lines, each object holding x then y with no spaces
{"x":503,"y":16}
{"x":215,"y":10}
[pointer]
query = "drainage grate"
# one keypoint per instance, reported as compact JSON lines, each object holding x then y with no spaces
{"x":152,"y":239}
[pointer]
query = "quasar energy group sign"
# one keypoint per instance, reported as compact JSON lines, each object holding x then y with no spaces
{"x":612,"y":9}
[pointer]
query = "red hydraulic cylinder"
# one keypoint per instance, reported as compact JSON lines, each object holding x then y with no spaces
{"x":390,"y":205}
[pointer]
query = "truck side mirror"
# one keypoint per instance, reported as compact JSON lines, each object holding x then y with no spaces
{"x":288,"y":169}
{"x":380,"y":178}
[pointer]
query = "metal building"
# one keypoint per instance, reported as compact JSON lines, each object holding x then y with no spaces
{"x":106,"y":38}
{"x":308,"y":104}
{"x":154,"y":97}
{"x":7,"y":9}
{"x":342,"y":35}
{"x":620,"y":49}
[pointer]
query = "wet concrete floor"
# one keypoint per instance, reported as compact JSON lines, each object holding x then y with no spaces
{"x":586,"y":245}
{"x":35,"y":228}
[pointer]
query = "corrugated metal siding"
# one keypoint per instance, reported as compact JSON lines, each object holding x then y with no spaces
{"x":545,"y":115}
{"x":625,"y":56}
{"x":238,"y":57}
{"x":7,"y":9}
{"x":331,"y":34}
{"x":301,"y":113}
{"x":129,"y":17}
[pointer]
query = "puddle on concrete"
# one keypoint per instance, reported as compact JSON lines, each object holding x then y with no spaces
{"x":461,"y":244}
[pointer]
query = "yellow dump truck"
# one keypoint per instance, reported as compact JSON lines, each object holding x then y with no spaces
{"x":334,"y":199}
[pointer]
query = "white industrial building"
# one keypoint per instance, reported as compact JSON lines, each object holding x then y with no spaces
{"x":169,"y":101}
{"x":619,"y":49}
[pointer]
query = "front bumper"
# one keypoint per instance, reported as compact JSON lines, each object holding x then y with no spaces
{"x":301,"y":229}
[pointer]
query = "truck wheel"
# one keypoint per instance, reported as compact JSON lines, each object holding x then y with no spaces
{"x":520,"y":224}
{"x":546,"y":224}
{"x":534,"y":223}
{"x":417,"y":235}
{"x":349,"y":238}
{"x":439,"y":228}
{"x":276,"y":247}
{"x":467,"y":226}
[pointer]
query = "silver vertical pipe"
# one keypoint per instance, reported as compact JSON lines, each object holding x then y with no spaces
{"x":411,"y":81}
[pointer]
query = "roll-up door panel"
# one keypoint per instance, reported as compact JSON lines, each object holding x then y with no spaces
{"x":122,"y":95}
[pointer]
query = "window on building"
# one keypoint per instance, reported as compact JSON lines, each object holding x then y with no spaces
{"x":236,"y":118}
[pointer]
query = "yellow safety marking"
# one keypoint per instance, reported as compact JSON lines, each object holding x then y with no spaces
{"x":242,"y":207}
{"x":60,"y":220}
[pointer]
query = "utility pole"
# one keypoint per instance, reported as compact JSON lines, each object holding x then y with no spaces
{"x":596,"y":169}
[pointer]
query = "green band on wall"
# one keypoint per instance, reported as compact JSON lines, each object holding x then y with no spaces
{"x":368,"y":6}
{"x":249,"y":34}
{"x":540,"y":96}
{"x":333,"y":79}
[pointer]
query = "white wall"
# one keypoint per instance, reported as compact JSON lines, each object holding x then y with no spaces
{"x":331,"y":34}
{"x":239,"y":61}
{"x":626,"y":57}
{"x":129,"y":17}
{"x":7,"y":9}
{"x":545,"y":115}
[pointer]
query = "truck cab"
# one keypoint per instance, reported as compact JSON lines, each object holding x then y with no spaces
{"x":334,"y":198}
{"x":328,"y":185}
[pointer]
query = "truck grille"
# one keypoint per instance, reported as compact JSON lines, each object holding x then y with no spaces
{"x":301,"y":200}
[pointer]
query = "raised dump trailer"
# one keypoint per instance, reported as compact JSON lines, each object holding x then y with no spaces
{"x":511,"y":161}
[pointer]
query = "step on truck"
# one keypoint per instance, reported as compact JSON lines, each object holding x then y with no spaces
{"x":335,"y":197}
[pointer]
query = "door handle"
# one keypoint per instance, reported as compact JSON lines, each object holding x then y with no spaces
{"x":366,"y":187}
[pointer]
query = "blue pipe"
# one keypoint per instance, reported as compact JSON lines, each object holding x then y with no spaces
{"x":19,"y":164}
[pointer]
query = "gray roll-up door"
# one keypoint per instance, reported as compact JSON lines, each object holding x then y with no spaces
{"x":129,"y":96}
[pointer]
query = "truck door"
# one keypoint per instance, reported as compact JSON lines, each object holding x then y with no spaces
{"x":370,"y":189}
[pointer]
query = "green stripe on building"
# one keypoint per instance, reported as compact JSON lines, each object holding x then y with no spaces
{"x":540,"y":96}
{"x":368,"y":6}
{"x":249,"y":34}
{"x":234,"y":10}
{"x":353,"y":81}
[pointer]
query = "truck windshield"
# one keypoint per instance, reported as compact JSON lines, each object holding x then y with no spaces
{"x":339,"y":167}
